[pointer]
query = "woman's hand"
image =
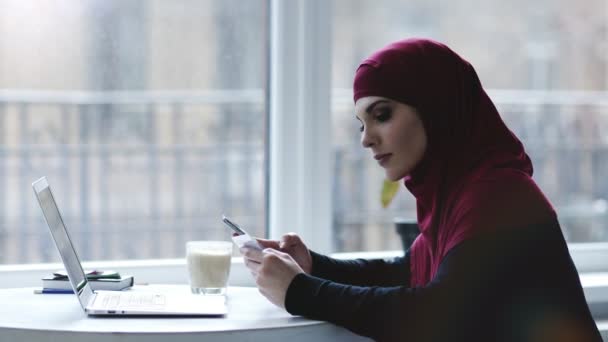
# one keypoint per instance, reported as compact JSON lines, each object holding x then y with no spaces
{"x":294,"y":246}
{"x":275,"y":267}
{"x":273,"y":271}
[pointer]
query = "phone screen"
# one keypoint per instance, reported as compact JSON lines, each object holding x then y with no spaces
{"x":233,"y":226}
{"x":242,"y":238}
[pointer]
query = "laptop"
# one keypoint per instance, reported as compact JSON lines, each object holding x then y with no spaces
{"x":113,"y":303}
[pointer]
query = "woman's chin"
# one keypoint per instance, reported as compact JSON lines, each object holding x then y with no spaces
{"x":395,"y":175}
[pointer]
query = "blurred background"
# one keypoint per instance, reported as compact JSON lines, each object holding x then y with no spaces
{"x":149,"y":117}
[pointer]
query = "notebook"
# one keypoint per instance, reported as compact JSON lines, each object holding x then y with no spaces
{"x":117,"y":302}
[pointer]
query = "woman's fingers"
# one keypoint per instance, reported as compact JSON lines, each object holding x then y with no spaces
{"x":268,"y":243}
{"x":254,"y":267}
{"x":252,"y":253}
{"x":274,"y":252}
{"x":290,"y":240}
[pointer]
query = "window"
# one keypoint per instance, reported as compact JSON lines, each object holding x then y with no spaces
{"x":147,"y":117}
{"x":544,"y":65}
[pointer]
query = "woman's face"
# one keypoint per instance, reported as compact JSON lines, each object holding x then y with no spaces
{"x":394,"y":132}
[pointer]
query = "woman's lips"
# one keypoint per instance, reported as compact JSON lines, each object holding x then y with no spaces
{"x":382,"y":158}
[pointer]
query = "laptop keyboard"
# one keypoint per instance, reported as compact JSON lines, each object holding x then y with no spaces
{"x":132,"y":300}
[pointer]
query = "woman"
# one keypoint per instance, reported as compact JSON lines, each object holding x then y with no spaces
{"x":490,"y":264}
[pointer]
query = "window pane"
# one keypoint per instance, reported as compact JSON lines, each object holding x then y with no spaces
{"x":147,"y":117}
{"x":546,"y":68}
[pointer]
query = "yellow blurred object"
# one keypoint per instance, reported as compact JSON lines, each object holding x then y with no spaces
{"x":389,"y":190}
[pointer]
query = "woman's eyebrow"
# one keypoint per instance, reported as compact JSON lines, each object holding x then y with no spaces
{"x":369,"y":108}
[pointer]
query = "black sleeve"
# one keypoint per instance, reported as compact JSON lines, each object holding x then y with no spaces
{"x":362,"y":272}
{"x":382,"y":313}
{"x":503,"y":288}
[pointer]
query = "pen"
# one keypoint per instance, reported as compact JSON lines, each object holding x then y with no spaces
{"x":52,"y":291}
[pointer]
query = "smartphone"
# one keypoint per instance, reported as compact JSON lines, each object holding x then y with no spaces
{"x":235,"y":228}
{"x":242,"y":238}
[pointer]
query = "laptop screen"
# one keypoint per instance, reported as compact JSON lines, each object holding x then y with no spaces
{"x":62,"y":240}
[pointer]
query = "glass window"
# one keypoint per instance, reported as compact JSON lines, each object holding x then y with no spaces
{"x":147,"y":117}
{"x":545,"y":65}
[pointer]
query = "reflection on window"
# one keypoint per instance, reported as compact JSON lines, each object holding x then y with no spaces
{"x":545,"y":68}
{"x":147,"y":117}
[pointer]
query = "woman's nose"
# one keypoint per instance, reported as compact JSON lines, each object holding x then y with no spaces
{"x":367,"y":139}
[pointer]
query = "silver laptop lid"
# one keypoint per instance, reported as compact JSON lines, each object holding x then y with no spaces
{"x":63,"y":242}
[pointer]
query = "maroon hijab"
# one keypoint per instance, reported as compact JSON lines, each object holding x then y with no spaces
{"x":475,"y":176}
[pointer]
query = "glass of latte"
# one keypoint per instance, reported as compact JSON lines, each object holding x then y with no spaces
{"x":208,"y":266}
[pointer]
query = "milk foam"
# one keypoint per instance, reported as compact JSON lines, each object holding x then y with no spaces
{"x":208,"y":269}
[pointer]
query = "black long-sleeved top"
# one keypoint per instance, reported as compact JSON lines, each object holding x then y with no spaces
{"x":519,"y":285}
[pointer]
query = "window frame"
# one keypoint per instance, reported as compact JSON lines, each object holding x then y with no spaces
{"x":300,"y":162}
{"x":300,"y":141}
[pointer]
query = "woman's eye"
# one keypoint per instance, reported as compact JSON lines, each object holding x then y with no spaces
{"x":361,"y":129}
{"x":383,"y":114}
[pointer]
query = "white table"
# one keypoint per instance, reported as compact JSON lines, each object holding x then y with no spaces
{"x":25,"y":316}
